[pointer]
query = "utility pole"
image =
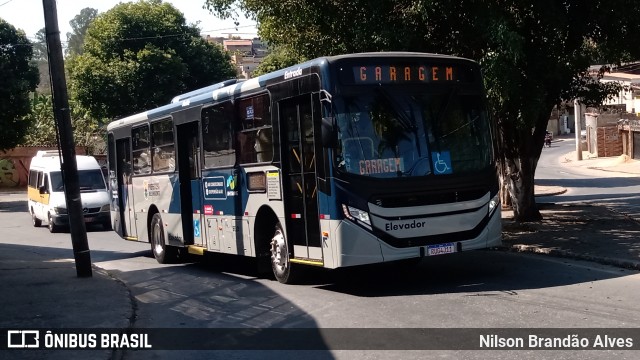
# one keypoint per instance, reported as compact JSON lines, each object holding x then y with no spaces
{"x":69,"y":165}
{"x":577,"y":111}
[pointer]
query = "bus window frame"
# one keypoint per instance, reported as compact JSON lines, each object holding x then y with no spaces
{"x":152,"y":145}
{"x":133,"y":157}
{"x":231,"y":133}
{"x":238,"y":130}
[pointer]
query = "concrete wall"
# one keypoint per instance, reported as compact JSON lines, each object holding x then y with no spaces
{"x":629,"y":131}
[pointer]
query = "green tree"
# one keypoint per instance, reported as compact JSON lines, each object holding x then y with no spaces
{"x":79,"y":25}
{"x":140,"y":55}
{"x":40,"y":52}
{"x":86,"y":130}
{"x":279,"y":58}
{"x":534,"y":54}
{"x":18,"y":77}
{"x":41,"y":56}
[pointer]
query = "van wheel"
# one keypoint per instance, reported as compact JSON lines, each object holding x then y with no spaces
{"x":163,"y":253}
{"x":34,"y":220}
{"x":280,"y":257}
{"x":53,"y":228}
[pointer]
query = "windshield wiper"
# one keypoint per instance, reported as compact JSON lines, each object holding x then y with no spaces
{"x":445,"y":108}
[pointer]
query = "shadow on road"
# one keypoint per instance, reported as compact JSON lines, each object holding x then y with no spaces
{"x":13,"y":206}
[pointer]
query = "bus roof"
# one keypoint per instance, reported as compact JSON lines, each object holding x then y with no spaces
{"x":228,"y":88}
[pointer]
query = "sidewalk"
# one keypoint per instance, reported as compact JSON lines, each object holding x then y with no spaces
{"x":40,"y":290}
{"x":586,"y":232}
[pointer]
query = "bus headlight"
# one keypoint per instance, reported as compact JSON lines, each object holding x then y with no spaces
{"x":60,"y":210}
{"x":494,"y":203}
{"x":352,"y":213}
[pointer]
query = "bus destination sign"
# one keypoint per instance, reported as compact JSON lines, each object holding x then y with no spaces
{"x":407,"y":74}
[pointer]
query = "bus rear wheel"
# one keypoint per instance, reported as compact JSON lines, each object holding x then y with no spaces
{"x":163,"y":253}
{"x":280,"y":256}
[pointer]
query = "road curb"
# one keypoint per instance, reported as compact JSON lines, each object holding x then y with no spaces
{"x":551,"y":193}
{"x":625,"y":264}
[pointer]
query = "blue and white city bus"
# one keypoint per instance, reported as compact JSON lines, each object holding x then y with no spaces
{"x":339,"y":161}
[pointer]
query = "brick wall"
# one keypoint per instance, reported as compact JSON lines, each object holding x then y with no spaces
{"x":14,"y":165}
{"x":609,"y":141}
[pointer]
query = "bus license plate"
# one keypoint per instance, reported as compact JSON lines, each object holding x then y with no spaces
{"x":440,"y":249}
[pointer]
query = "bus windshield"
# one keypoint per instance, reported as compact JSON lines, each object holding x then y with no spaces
{"x":400,"y":132}
{"x":89,"y":180}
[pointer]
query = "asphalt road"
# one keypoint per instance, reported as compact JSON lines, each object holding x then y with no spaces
{"x":586,"y":185}
{"x":484,"y":289}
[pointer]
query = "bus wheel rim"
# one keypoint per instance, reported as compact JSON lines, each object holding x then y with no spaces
{"x":278,"y":251}
{"x":157,"y":246}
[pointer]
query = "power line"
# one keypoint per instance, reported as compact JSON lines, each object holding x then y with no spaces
{"x":147,"y":37}
{"x":5,"y":3}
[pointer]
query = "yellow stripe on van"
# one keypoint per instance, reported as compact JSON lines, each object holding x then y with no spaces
{"x":34,"y":195}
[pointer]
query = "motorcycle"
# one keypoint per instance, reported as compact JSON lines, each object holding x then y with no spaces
{"x":547,"y":141}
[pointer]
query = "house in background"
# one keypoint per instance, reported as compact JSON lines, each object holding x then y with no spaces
{"x":627,"y":100}
{"x":246,"y":54}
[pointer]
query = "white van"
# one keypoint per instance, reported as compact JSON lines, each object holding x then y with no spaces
{"x":46,"y":192}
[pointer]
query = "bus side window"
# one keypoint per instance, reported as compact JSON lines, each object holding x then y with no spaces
{"x":217,"y":141}
{"x":255,"y":136}
{"x":164,"y":155}
{"x":264,"y":145}
{"x":141,"y":150}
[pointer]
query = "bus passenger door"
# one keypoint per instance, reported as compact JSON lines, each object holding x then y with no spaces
{"x":125,"y":224}
{"x":190,"y":183}
{"x":300,"y":180}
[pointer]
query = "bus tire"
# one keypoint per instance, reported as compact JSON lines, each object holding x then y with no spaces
{"x":53,"y":228}
{"x":34,"y":219}
{"x":280,"y":256}
{"x":163,"y":253}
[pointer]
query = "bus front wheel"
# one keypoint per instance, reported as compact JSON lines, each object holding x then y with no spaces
{"x":163,"y":253}
{"x":280,"y":256}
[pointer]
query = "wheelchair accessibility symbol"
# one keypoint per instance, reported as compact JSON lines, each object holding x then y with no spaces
{"x":196,"y":228}
{"x":441,"y":162}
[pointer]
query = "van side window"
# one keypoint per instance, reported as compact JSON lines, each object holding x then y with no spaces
{"x":39,"y":181}
{"x":33,"y":178}
{"x":46,"y":183}
{"x":141,"y":150}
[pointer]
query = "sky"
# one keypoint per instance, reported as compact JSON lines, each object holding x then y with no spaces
{"x":28,"y":15}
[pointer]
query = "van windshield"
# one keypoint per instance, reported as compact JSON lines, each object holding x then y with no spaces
{"x":89,"y":180}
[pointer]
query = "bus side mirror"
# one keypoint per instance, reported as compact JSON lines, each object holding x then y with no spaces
{"x":42,"y":189}
{"x":328,"y":132}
